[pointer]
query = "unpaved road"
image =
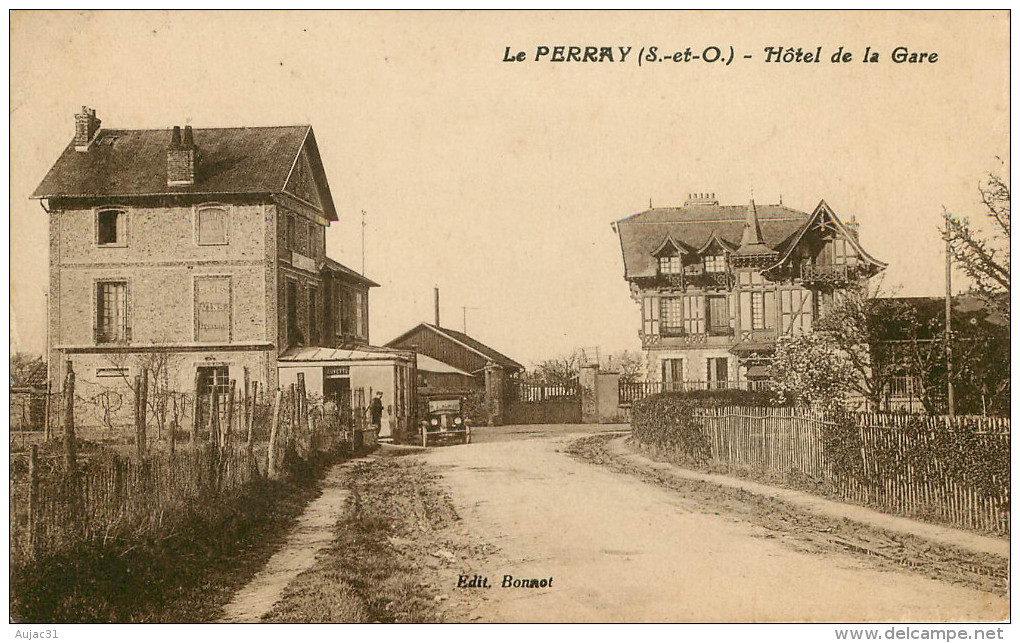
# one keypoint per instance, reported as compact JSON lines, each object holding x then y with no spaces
{"x":621,"y":549}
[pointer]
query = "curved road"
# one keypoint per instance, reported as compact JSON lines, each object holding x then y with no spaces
{"x":620,"y":549}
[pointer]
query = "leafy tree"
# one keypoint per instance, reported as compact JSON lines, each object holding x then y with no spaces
{"x":984,"y":257}
{"x":856,"y":329}
{"x":806,"y":370}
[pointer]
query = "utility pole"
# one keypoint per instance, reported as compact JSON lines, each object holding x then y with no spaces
{"x":465,"y":309}
{"x":363,"y":224}
{"x":949,"y":326}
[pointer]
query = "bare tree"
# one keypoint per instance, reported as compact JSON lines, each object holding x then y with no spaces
{"x":984,"y":257}
{"x":166,"y":405}
{"x":558,"y":370}
{"x":630,"y":365}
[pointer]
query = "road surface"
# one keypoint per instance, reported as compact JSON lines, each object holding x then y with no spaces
{"x":620,"y":549}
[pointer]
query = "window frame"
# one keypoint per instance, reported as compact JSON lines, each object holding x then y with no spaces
{"x":673,"y":261}
{"x":671,"y":309}
{"x":121,"y":226}
{"x":716,"y":261}
{"x":97,"y":327}
{"x":227,"y":211}
{"x":758,"y":296}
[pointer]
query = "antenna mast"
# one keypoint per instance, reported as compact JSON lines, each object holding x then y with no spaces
{"x":363,"y":224}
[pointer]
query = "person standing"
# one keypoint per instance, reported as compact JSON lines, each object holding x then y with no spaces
{"x":376,"y":409}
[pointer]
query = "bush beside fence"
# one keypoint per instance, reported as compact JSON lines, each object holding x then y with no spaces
{"x":63,"y":498}
{"x":954,"y":471}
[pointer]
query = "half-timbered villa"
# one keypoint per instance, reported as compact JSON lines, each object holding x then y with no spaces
{"x":718,"y":284}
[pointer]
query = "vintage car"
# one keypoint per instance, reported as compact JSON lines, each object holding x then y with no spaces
{"x":443,"y":420}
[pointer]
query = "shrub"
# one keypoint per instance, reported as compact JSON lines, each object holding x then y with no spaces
{"x":713,"y":398}
{"x":666,"y":421}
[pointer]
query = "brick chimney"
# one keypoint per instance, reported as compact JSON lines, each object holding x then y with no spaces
{"x":86,"y":128}
{"x":181,"y":157}
{"x":701,"y":198}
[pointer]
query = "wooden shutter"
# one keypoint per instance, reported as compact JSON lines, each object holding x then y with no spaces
{"x":770,"y":309}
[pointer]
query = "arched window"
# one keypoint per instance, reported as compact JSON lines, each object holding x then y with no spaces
{"x":212,"y":226}
{"x":111,"y":227}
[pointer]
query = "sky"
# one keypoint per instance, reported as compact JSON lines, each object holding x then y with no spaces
{"x":498,"y":181}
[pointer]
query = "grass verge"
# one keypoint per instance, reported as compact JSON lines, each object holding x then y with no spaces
{"x":397,"y":537}
{"x":184,"y":575}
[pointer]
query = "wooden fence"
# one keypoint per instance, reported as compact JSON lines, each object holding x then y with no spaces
{"x":892,"y":476}
{"x":527,"y":392}
{"x":63,"y":497}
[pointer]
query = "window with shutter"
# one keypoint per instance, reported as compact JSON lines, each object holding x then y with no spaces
{"x":212,"y":226}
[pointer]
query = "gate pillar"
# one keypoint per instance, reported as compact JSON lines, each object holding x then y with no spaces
{"x":589,"y":393}
{"x":495,"y":393}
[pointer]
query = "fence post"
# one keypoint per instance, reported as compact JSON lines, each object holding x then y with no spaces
{"x":247,"y":387}
{"x":230,"y":414}
{"x":197,"y":412}
{"x":271,"y":464}
{"x":141,"y":392}
{"x":70,"y":448}
{"x":214,"y":415}
{"x":250,"y":421}
{"x":33,"y":497}
{"x":292,"y":426}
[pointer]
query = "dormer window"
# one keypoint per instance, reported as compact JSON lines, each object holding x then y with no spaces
{"x":715,"y":263}
{"x":670,"y":265}
{"x":110,"y":228}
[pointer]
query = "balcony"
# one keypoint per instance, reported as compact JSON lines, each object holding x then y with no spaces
{"x":705,"y":281}
{"x":827,"y":275}
{"x":674,"y":337}
{"x":718,"y":280}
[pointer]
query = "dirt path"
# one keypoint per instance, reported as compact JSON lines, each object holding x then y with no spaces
{"x":620,"y":549}
{"x":313,"y":532}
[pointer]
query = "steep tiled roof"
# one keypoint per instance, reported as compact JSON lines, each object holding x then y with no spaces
{"x":693,"y":225}
{"x":131,"y":163}
{"x":32,"y":376}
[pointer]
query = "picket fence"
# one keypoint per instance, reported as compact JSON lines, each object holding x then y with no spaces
{"x":789,"y":441}
{"x":130,"y":493}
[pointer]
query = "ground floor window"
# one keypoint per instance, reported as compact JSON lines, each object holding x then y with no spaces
{"x":672,"y":373}
{"x":717,"y":372}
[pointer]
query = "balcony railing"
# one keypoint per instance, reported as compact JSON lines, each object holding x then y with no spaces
{"x":709,"y":280}
{"x":827,"y":274}
{"x":700,"y":280}
{"x":112,"y":335}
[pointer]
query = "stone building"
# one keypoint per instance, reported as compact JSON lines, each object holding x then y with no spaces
{"x":718,"y":284}
{"x":204,"y":250}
